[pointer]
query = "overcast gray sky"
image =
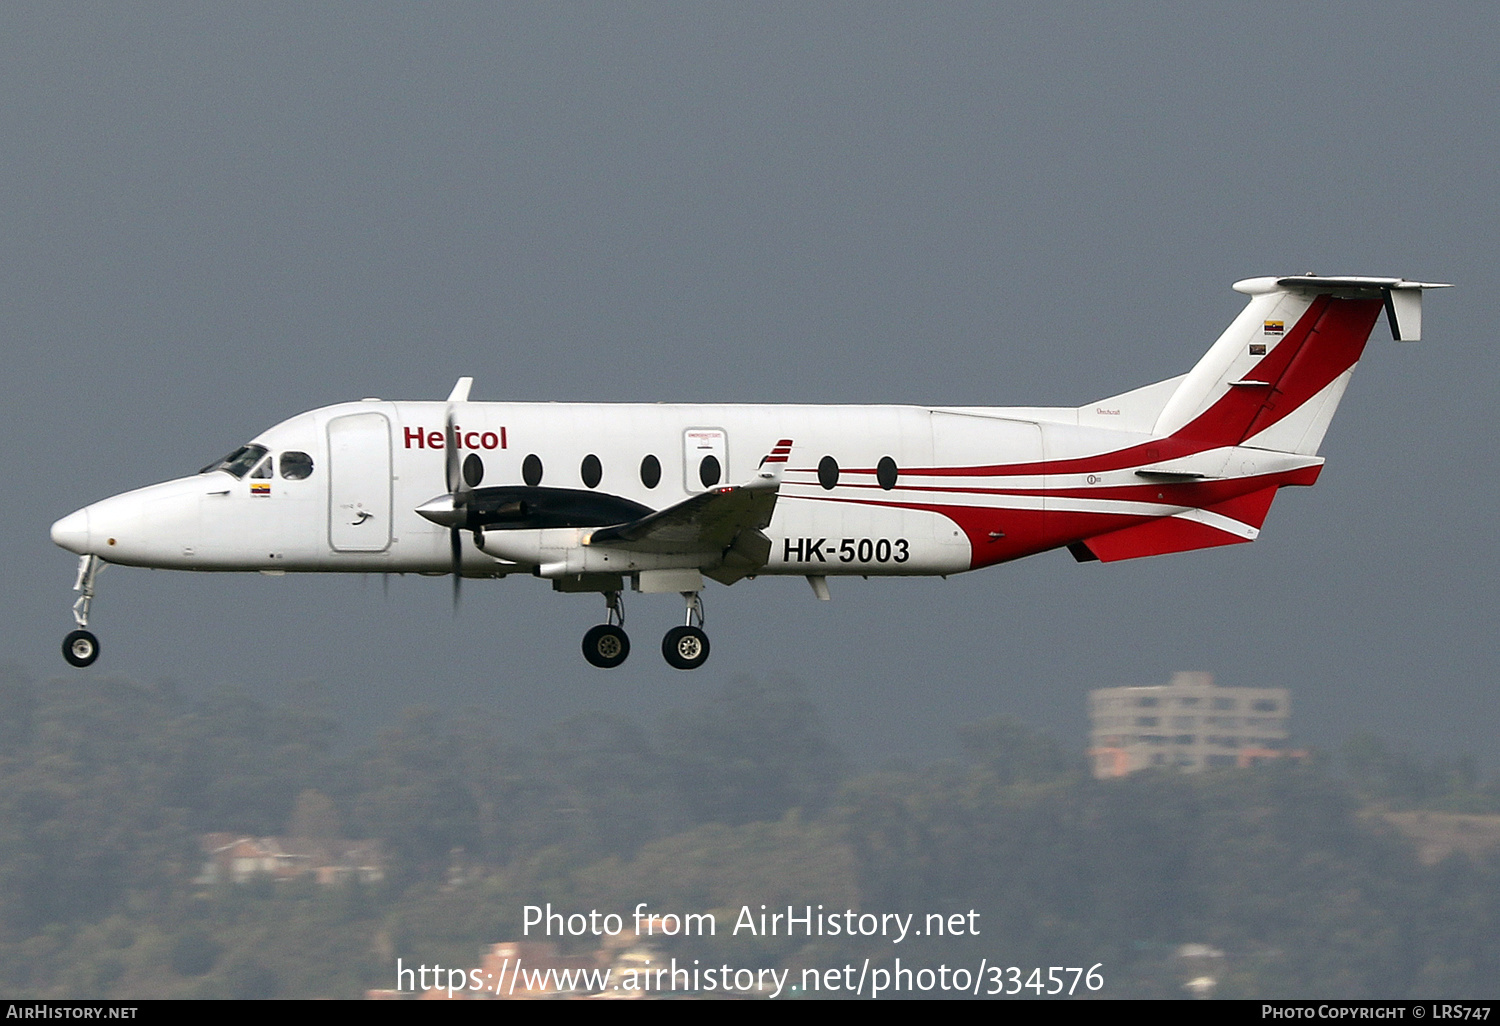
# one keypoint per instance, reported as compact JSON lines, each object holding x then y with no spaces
{"x":214,"y":217}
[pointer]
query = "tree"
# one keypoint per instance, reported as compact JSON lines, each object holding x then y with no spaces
{"x":1014,"y":752}
{"x":756,"y":750}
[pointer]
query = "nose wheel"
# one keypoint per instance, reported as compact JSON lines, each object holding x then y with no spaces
{"x":607,"y":645}
{"x":80,"y":648}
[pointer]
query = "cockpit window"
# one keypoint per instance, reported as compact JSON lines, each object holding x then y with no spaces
{"x":265,"y":470}
{"x":237,"y":462}
{"x":295,"y":466}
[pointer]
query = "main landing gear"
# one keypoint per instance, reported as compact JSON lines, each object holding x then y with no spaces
{"x":684,"y":648}
{"x":607,"y":645}
{"x":80,"y":648}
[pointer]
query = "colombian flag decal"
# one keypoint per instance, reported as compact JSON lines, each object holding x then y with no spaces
{"x":260,"y":488}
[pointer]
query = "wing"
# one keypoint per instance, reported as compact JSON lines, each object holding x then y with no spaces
{"x":728,"y":521}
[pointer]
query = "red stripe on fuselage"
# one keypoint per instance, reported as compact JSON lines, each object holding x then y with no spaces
{"x":1025,"y":532}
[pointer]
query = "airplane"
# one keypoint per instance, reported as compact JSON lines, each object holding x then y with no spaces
{"x":656,"y":498}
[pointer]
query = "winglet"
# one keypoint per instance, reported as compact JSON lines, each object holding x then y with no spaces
{"x":460,"y":393}
{"x":769,"y":473}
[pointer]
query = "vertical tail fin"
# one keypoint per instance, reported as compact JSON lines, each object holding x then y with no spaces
{"x":1276,"y":375}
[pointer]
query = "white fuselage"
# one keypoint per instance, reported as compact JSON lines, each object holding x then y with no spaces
{"x":1187,"y":463}
{"x":969,"y":489}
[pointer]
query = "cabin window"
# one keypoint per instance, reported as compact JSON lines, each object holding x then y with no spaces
{"x":709,"y":471}
{"x":828,"y":472}
{"x":531,"y":470}
{"x":296,"y":466}
{"x":885,"y":473}
{"x":237,"y":462}
{"x":591,"y":471}
{"x":473,"y":470}
{"x":650,"y":471}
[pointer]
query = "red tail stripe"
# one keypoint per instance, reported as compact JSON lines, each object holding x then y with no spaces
{"x":1327,"y":340}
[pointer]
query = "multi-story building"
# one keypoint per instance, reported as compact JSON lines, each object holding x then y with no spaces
{"x":1189,"y":723}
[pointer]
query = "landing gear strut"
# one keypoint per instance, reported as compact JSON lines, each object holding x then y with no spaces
{"x":607,"y":644}
{"x":686,"y":647}
{"x":80,"y":648}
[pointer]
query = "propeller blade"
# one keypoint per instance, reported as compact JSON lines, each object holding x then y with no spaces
{"x":458,"y":490}
{"x":456,"y":548}
{"x":450,"y":456}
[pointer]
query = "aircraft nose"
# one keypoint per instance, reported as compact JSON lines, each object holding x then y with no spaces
{"x":72,"y":532}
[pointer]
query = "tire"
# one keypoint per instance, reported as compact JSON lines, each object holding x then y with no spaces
{"x":80,"y":648}
{"x":606,"y":646}
{"x":685,"y":648}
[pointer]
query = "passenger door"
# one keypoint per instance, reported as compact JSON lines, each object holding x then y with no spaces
{"x":359,"y":483}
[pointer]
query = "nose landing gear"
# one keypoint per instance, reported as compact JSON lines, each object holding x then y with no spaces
{"x":80,"y":648}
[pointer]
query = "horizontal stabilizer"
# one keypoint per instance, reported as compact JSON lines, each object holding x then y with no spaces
{"x":1169,"y":476}
{"x":1403,"y":299}
{"x":1228,"y":523}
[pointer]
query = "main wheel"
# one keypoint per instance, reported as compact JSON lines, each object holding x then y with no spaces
{"x":80,"y":648}
{"x":606,"y":646}
{"x":685,"y":648}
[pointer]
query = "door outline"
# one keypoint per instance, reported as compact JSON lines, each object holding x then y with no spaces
{"x":359,"y":483}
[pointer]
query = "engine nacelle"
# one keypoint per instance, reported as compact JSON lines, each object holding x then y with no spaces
{"x":561,"y":552}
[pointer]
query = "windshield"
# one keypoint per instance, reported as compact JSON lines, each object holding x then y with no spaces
{"x":237,"y":462}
